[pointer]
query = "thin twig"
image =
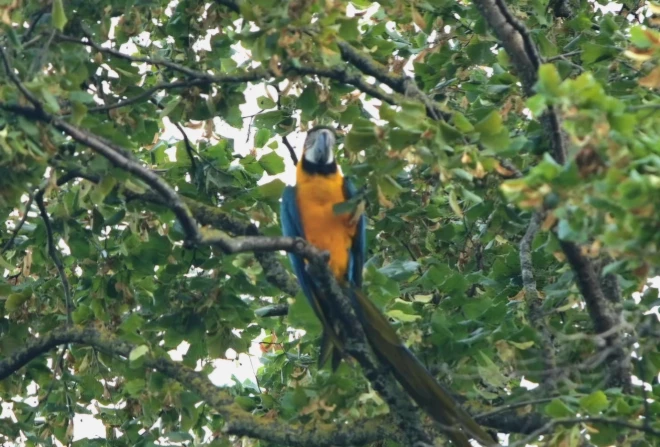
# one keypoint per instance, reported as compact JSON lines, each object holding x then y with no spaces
{"x":37,"y":62}
{"x":20,"y":224}
{"x":512,"y":406}
{"x":285,"y":140}
{"x":339,"y":74}
{"x":563,"y":56}
{"x":54,"y":255}
{"x":584,"y":420}
{"x":189,"y":150}
{"x":532,"y":295}
{"x":401,"y":84}
{"x":145,"y":95}
{"x":12,"y":76}
{"x":292,"y":151}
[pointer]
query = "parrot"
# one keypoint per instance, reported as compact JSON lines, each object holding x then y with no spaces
{"x":307,"y":212}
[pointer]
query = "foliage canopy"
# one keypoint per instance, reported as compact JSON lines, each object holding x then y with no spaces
{"x":511,"y":165}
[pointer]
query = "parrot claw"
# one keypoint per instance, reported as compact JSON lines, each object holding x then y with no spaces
{"x":359,"y":210}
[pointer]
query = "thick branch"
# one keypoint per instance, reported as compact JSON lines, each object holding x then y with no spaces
{"x":275,"y":272}
{"x":107,"y":150}
{"x":520,"y":47}
{"x":237,"y":421}
{"x":523,"y":53}
{"x":400,"y":84}
{"x":120,"y":158}
{"x":356,"y":344}
{"x":605,"y":320}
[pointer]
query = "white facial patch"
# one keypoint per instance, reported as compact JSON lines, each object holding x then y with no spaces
{"x":319,"y":147}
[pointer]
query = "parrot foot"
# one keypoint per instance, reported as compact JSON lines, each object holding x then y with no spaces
{"x":359,"y":210}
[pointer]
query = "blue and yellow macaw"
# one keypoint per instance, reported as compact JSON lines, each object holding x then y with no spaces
{"x":307,"y":212}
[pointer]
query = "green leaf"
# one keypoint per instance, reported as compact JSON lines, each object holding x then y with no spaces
{"x":490,"y":125}
{"x":301,"y":315}
{"x":261,"y":137}
{"x":400,"y":270}
{"x":15,"y":301}
{"x":58,"y":15}
{"x":81,"y":314}
{"x":401,"y":316}
{"x":179,"y":436}
{"x":640,"y":37}
{"x":595,"y":402}
{"x":272,"y":190}
{"x":272,"y":163}
{"x":549,"y":80}
{"x":558,"y":409}
{"x":361,"y":135}
{"x":245,"y":403}
{"x":265,"y":102}
{"x":136,"y":355}
{"x":489,"y":372}
{"x":462,"y":123}
{"x":412,"y":114}
{"x":400,"y":139}
{"x":134,"y":387}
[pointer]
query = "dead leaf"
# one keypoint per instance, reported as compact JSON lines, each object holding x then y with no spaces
{"x":384,"y":201}
{"x":418,"y":19}
{"x":549,"y":222}
{"x":652,"y":80}
{"x":5,"y":11}
{"x":520,"y":296}
{"x":27,"y":263}
{"x":589,"y":161}
{"x":504,"y":172}
{"x":274,"y":65}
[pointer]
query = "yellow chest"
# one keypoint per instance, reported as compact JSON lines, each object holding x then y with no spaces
{"x":316,"y":195}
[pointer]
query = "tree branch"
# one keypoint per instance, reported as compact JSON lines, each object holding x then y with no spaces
{"x":520,"y":47}
{"x":585,"y":420}
{"x":285,"y":140}
{"x":189,"y":150}
{"x":120,"y":158}
{"x":338,"y":74}
{"x":356,"y":344}
{"x":147,"y":94}
{"x":54,"y":255}
{"x":274,"y":310}
{"x":238,"y":422}
{"x":604,"y":319}
{"x":400,"y":84}
{"x":525,"y":58}
{"x":20,"y":224}
{"x":532,"y":296}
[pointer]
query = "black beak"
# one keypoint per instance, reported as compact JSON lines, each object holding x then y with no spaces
{"x":322,"y":147}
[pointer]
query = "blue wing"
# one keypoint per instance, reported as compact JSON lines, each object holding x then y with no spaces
{"x":359,"y":247}
{"x":292,"y":227}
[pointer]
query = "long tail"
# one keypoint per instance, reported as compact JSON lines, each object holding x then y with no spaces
{"x":414,"y":377}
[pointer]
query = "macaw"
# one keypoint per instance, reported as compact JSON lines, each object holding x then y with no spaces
{"x":307,"y":212}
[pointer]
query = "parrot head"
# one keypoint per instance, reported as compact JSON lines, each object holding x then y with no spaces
{"x":319,"y":146}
